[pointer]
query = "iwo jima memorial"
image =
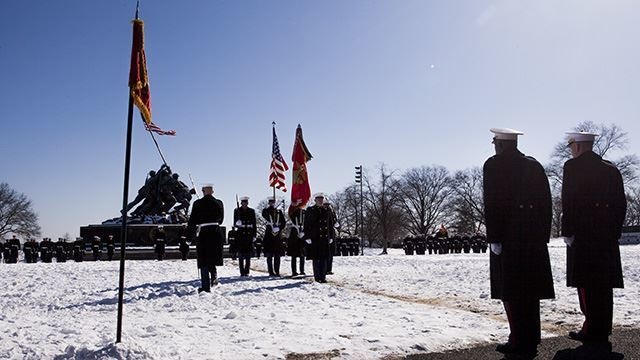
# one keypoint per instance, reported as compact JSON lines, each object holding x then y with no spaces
{"x":163,"y":201}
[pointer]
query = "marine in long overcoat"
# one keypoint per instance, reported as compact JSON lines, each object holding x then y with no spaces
{"x":517,"y":203}
{"x":594,"y":208}
{"x":209,"y":242}
{"x":593,"y":211}
{"x":318,"y":226}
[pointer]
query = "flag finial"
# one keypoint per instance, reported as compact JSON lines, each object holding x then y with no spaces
{"x":137,"y":8}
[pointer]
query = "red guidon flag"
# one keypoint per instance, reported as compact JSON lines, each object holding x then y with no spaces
{"x":139,"y":80}
{"x":300,"y":190}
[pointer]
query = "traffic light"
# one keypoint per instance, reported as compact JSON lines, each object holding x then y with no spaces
{"x":359,"y":174}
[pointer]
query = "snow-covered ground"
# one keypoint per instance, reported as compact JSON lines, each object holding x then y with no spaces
{"x":374,"y":306}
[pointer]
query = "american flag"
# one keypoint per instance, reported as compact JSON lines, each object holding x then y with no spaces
{"x":278,"y":166}
{"x":156,"y":129}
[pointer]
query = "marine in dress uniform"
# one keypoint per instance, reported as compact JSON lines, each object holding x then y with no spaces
{"x":517,"y":202}
{"x":319,"y":234}
{"x":96,"y":247}
{"x":332,"y":245}
{"x":111,"y":246}
{"x":204,"y":226}
{"x":593,"y":212}
{"x":272,"y":241}
{"x":46,"y":250}
{"x":244,"y":219}
{"x":295,"y":248}
{"x":184,"y":247}
{"x":61,"y":250}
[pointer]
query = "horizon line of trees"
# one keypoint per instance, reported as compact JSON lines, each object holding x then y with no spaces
{"x":412,"y":202}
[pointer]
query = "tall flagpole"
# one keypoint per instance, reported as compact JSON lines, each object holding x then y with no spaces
{"x":123,"y":232}
{"x":125,"y":198}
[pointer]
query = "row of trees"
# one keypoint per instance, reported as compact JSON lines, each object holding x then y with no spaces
{"x":418,"y":200}
{"x":412,"y":202}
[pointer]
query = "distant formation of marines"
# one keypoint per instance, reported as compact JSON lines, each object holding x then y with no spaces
{"x":443,"y":244}
{"x":61,"y":250}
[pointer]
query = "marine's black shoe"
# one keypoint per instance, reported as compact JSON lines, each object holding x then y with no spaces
{"x":505,"y":348}
{"x":201,"y":290}
{"x":578,"y":336}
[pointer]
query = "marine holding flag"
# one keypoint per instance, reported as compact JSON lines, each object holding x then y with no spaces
{"x":300,"y":190}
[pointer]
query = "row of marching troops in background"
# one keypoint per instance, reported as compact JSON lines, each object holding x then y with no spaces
{"x":62,"y":250}
{"x":444,"y":245}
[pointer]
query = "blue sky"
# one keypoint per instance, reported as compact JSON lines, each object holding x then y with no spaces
{"x":407,"y":83}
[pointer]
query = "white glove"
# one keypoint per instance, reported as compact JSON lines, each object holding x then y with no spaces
{"x":301,"y":235}
{"x":496,"y":248}
{"x":330,"y":241}
{"x":308,"y":241}
{"x":569,"y":240}
{"x":238,"y":223}
{"x":276,"y":229}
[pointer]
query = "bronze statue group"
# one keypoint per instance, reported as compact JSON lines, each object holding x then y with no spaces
{"x":517,"y":202}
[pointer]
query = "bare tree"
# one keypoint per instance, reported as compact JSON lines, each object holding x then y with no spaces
{"x":633,"y":207}
{"x":345,"y":205}
{"x":383,"y":205}
{"x":16,"y":214}
{"x":556,"y":206}
{"x":424,"y":191}
{"x":466,"y":208}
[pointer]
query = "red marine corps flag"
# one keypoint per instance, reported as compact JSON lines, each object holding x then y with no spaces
{"x":300,"y":190}
{"x":139,"y":79}
{"x":278,"y":165}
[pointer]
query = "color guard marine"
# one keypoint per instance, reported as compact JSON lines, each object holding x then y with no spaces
{"x":272,"y":241}
{"x":295,"y":248}
{"x":244,"y":220}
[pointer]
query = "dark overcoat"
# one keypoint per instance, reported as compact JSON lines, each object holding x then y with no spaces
{"x":247,"y":232}
{"x":593,"y":211}
{"x":272,"y":242}
{"x":209,"y":242}
{"x":318,"y":226}
{"x":517,"y":203}
{"x":295,"y":246}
